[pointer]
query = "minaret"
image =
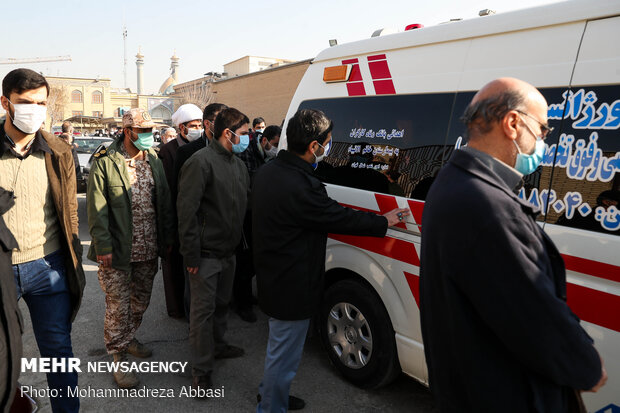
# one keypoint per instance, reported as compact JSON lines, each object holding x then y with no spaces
{"x":140,"y":65}
{"x":174,"y":67}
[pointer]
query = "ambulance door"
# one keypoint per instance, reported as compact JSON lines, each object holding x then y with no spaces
{"x":583,"y":216}
{"x":542,"y":56}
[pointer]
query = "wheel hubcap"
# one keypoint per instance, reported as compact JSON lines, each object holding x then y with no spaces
{"x":349,"y":335}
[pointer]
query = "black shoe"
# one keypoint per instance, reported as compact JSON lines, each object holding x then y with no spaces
{"x":229,"y":352}
{"x":246,"y":314}
{"x":294,"y":403}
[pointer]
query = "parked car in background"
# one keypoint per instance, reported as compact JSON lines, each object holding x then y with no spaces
{"x":86,"y":167}
{"x":86,"y":147}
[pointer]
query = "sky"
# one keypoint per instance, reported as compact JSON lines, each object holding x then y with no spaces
{"x":205,"y":34}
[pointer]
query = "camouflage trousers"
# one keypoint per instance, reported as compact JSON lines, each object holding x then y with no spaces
{"x":126,"y":300}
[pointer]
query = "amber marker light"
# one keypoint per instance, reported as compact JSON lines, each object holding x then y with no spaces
{"x":334,"y":74}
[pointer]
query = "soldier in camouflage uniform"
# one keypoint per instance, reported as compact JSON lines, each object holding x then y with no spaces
{"x":130,"y":222}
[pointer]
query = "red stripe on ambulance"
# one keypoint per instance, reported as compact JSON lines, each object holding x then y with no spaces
{"x":414,"y":285}
{"x":387,"y":246}
{"x":598,"y":269}
{"x":355,"y":85}
{"x":590,"y":305}
{"x":593,"y":306}
{"x":381,"y":76}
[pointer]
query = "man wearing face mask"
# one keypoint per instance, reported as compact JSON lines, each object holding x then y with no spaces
{"x":258,"y":127}
{"x":492,"y":283}
{"x":37,"y":169}
{"x":262,"y":149}
{"x":183,"y":154}
{"x":130,"y":221}
{"x":188,"y":120}
{"x":291,"y":217}
{"x":259,"y":151}
{"x":211,"y":203}
{"x":177,"y":287}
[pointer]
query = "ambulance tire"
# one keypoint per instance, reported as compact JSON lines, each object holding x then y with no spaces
{"x":346,"y":338}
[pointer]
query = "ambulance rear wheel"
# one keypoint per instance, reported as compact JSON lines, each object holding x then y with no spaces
{"x":357,"y":333}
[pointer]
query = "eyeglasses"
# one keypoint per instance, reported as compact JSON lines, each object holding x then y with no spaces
{"x":545,"y":129}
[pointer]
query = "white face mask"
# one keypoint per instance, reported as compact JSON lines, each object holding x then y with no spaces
{"x":28,"y":116}
{"x":326,"y":149}
{"x":193,"y":134}
{"x":272,"y":153}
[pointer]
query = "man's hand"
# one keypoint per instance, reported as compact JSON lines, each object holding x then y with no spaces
{"x":396,"y":216}
{"x":105,"y":260}
{"x":602,"y":381}
{"x":192,"y":270}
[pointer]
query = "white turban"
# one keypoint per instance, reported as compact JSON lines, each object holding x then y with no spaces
{"x":186,"y":113}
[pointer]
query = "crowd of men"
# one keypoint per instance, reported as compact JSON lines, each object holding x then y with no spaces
{"x":218,"y":203}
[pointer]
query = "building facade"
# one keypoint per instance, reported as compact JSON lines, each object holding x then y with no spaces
{"x":93,"y":104}
{"x":250,"y":64}
{"x":266,"y":93}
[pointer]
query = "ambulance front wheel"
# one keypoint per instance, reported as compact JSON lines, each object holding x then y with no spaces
{"x":357,"y":333}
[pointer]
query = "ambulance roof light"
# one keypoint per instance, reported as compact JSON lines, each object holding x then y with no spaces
{"x":414,"y":26}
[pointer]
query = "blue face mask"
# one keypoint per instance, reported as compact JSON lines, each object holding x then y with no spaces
{"x":144,"y":142}
{"x":526,"y":164}
{"x":244,"y":141}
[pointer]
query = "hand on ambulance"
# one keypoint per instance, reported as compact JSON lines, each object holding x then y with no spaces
{"x":396,"y":216}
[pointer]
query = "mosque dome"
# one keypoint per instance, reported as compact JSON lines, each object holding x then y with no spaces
{"x":167,"y":87}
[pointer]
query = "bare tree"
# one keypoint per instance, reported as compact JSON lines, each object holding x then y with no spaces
{"x":200,"y":94}
{"x":57,"y":101}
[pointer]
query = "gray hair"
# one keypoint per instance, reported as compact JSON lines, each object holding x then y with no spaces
{"x":479,"y":116}
{"x":168,"y":130}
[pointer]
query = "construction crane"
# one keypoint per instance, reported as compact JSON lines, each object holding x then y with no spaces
{"x":14,"y":61}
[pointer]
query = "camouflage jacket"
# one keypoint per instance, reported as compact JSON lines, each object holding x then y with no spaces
{"x":109,"y":206}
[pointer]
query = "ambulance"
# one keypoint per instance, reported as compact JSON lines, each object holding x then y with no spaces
{"x":396,"y":101}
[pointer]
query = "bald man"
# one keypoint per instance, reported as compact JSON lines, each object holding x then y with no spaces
{"x":498,"y":334}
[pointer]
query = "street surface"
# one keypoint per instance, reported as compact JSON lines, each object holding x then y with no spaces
{"x":317,"y":381}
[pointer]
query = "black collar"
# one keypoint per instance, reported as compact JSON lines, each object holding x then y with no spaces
{"x":468,"y":161}
{"x":290,"y":158}
{"x":37,"y":144}
{"x":219,"y":148}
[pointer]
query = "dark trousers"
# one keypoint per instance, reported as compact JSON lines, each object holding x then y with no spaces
{"x":244,"y":271}
{"x":43,"y":285}
{"x":211,"y":288}
{"x":174,"y":283}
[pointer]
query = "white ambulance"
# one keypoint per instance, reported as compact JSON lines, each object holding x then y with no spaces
{"x":396,"y":101}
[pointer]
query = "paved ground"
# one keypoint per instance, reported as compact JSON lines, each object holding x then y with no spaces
{"x":317,"y":382}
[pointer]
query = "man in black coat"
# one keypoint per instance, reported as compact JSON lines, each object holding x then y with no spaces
{"x":183,"y":153}
{"x":10,"y":328}
{"x":498,"y":334}
{"x":291,"y":217}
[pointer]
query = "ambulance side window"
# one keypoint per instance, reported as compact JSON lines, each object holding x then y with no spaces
{"x":585,"y":154}
{"x":387,"y":144}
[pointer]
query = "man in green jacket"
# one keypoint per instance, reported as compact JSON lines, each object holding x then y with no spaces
{"x":130,"y":221}
{"x":213,"y":193}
